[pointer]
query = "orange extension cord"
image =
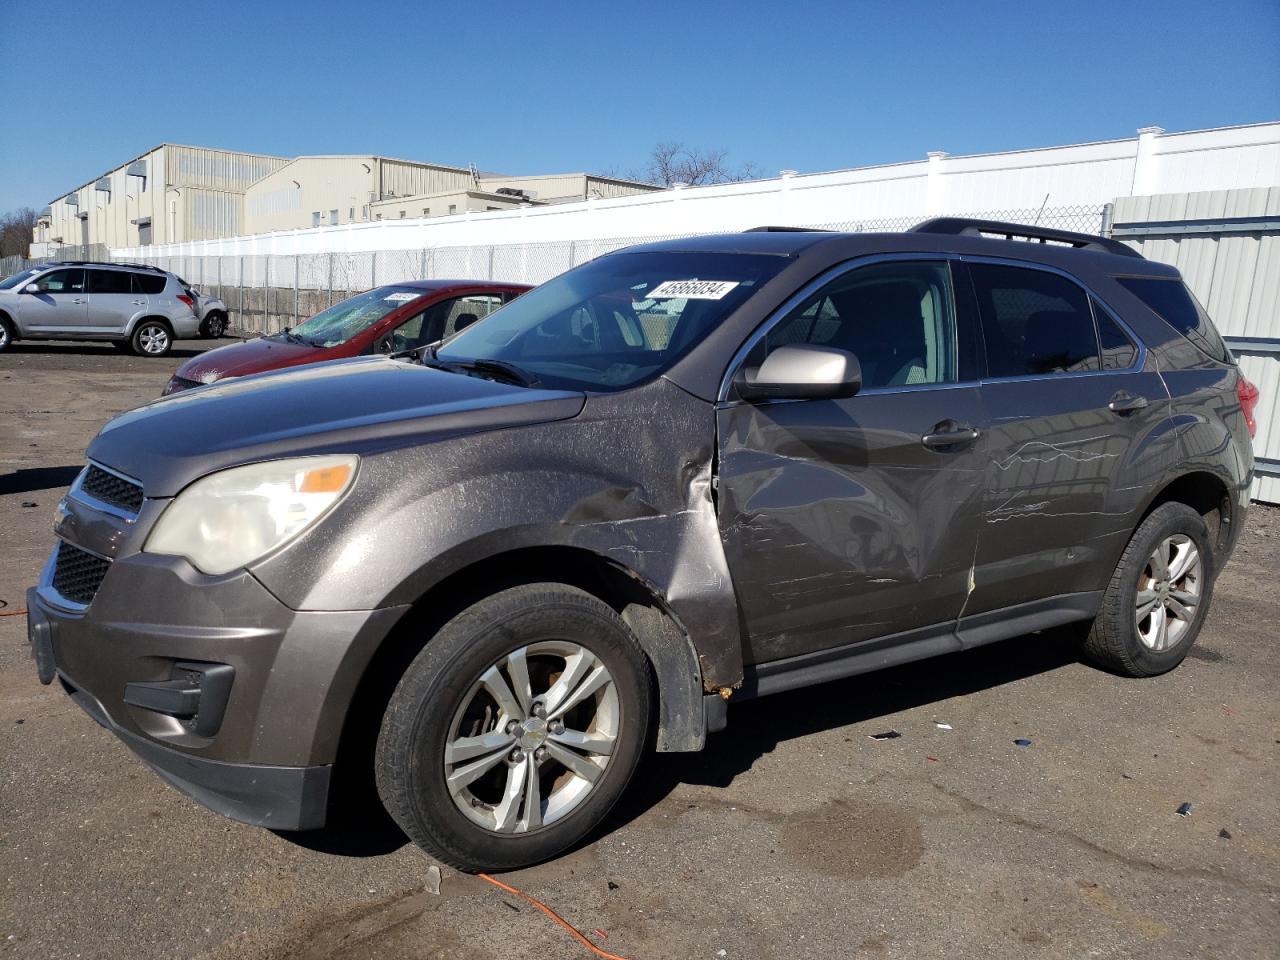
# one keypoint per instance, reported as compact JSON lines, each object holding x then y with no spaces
{"x":554,"y":916}
{"x":14,"y":613}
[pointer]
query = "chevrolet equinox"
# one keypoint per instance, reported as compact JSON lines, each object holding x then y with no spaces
{"x":487,"y":577}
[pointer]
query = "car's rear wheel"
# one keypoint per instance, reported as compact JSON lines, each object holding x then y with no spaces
{"x":6,"y":334}
{"x":515,"y":730}
{"x":152,"y":338}
{"x":215,"y":325}
{"x":1158,"y":597}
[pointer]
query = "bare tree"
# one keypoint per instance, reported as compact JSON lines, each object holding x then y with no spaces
{"x":15,"y":232}
{"x":673,"y":162}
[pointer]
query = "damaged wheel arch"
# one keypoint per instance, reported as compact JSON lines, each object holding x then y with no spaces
{"x":662,"y":637}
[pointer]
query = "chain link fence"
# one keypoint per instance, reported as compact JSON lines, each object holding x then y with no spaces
{"x":265,"y":293}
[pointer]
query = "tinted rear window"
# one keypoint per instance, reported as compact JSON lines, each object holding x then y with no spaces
{"x":1174,"y":303}
{"x":1033,"y":322}
{"x":109,"y":281}
{"x":150,"y":283}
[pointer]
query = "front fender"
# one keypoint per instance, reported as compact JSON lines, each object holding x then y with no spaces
{"x":628,"y":480}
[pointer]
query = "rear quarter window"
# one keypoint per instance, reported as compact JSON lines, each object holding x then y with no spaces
{"x":1174,"y":303}
{"x":149,"y":283}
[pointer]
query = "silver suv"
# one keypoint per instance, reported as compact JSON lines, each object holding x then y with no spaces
{"x":137,"y":308}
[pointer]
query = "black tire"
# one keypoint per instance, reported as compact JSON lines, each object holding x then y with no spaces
{"x":6,"y":334}
{"x":442,"y":681}
{"x":215,"y":325}
{"x":150,"y":332}
{"x":1113,"y":641}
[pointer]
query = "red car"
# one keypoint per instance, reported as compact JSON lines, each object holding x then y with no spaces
{"x":399,"y":316}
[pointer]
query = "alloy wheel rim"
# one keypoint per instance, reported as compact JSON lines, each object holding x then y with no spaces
{"x":1168,"y":593}
{"x":532,"y":737}
{"x":4,"y":336}
{"x":154,"y":339}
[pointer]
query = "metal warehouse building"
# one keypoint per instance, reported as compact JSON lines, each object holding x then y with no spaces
{"x":177,"y":194}
{"x":170,"y":194}
{"x":338,"y":190}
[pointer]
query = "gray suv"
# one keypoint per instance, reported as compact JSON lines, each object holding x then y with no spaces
{"x":486,"y":578}
{"x":138,"y":308}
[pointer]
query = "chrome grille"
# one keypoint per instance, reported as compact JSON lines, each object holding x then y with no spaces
{"x":112,"y":489}
{"x":77,"y":574}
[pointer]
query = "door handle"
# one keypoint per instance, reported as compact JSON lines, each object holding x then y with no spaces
{"x":140,"y":303}
{"x":948,"y":433}
{"x":77,"y":300}
{"x":1126,"y":403}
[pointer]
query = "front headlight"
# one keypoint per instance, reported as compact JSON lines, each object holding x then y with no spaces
{"x":231,"y":518}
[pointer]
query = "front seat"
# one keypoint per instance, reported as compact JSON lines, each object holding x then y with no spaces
{"x":464,"y":320}
{"x":882,"y":325}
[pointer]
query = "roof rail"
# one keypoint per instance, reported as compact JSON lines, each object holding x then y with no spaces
{"x":965,"y":226}
{"x":785,"y":230}
{"x":100,"y":263}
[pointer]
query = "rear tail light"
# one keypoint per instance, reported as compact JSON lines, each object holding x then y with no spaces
{"x":1248,"y":395}
{"x":187,"y":300}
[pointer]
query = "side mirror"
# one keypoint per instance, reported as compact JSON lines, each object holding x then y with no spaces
{"x":31,"y":288}
{"x":801,"y":372}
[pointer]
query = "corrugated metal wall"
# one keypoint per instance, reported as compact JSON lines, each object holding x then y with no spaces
{"x":410,"y":179}
{"x":1226,"y":243}
{"x":218,"y":169}
{"x":212,"y":213}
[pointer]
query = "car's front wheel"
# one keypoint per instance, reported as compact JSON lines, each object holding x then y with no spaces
{"x":152,"y":338}
{"x":6,"y":334}
{"x":1158,"y":597}
{"x":515,"y":730}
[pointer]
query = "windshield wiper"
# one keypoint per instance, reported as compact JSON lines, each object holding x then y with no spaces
{"x":498,"y":369}
{"x":294,"y":338}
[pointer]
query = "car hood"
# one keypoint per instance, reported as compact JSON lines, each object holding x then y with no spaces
{"x":248,"y":356}
{"x":357,"y":406}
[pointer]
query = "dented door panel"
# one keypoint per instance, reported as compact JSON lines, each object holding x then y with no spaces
{"x":839,"y":524}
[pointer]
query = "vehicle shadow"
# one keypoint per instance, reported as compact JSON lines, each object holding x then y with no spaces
{"x":92,"y":348}
{"x":38,"y":478}
{"x":757,"y":727}
{"x":359,"y":827}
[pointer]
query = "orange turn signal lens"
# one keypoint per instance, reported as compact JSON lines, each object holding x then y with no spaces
{"x":326,"y":479}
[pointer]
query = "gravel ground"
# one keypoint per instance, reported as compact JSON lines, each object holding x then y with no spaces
{"x":794,"y":835}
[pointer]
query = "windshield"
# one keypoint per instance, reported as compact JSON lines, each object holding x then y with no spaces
{"x":18,"y":279}
{"x":616,"y":321}
{"x":344,"y":320}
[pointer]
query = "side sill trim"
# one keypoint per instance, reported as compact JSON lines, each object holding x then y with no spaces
{"x":778,"y":676}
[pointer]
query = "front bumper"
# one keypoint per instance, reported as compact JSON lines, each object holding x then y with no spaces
{"x":155,"y":623}
{"x":279,"y":798}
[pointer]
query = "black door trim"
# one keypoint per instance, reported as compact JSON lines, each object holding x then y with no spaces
{"x":868,"y":655}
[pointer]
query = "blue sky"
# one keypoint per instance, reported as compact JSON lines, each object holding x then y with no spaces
{"x":546,"y":87}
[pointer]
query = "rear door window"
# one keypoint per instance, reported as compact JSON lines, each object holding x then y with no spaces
{"x":109,"y":281}
{"x":149,"y":283}
{"x":1174,"y":303}
{"x":1034,"y":322}
{"x":464,"y":311}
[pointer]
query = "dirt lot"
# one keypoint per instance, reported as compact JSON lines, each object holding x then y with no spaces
{"x":795,"y":835}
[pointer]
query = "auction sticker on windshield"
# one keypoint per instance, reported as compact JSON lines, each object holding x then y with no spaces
{"x":401,"y":297}
{"x":692,"y":289}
